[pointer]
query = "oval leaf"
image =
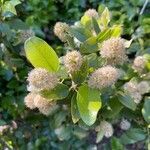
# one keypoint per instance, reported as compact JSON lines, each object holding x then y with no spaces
{"x":40,"y":54}
{"x":89,"y":103}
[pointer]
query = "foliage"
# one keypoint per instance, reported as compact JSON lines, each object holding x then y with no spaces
{"x":35,"y":131}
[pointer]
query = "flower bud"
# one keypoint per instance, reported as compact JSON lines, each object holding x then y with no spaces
{"x":125,"y":124}
{"x":29,"y":100}
{"x":92,"y":13}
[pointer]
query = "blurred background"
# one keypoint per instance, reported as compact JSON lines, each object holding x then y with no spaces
{"x":21,"y":128}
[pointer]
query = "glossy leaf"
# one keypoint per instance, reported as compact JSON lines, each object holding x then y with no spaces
{"x":146,"y":110}
{"x":132,"y":136}
{"x":89,"y":103}
{"x":74,"y":110}
{"x":127,"y":101}
{"x":40,"y":54}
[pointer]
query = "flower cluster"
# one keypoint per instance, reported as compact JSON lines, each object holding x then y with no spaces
{"x":136,"y":90}
{"x":125,"y":124}
{"x":103,"y":77}
{"x":92,"y":13}
{"x":40,"y":79}
{"x":61,"y":30}
{"x":139,"y":64}
{"x":44,"y":105}
{"x":106,"y":128}
{"x":73,"y":61}
{"x":113,"y":50}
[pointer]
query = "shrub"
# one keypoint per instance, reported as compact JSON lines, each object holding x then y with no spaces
{"x":97,"y":80}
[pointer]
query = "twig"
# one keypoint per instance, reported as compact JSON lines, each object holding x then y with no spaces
{"x":144,"y":6}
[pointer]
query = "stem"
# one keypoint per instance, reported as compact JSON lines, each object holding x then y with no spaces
{"x":144,"y":6}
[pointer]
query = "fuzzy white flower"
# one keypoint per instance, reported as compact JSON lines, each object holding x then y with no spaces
{"x":107,"y":128}
{"x":125,"y":124}
{"x":137,"y":97}
{"x":73,"y":61}
{"x":40,"y":79}
{"x":131,"y":87}
{"x":92,"y":13}
{"x":139,"y":63}
{"x":29,"y":100}
{"x":113,"y":50}
{"x":143,"y":87}
{"x":103,"y":77}
{"x":61,"y":30}
{"x":44,"y":105}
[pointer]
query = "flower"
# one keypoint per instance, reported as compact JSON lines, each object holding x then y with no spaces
{"x":73,"y":61}
{"x":125,"y":124}
{"x":107,"y":128}
{"x":92,"y":13}
{"x":103,"y":77}
{"x":139,"y":64}
{"x":130,"y":87}
{"x":4,"y":128}
{"x":44,"y":105}
{"x":40,"y":79}
{"x":61,"y":30}
{"x":29,"y":100}
{"x":143,"y":87}
{"x":113,"y":50}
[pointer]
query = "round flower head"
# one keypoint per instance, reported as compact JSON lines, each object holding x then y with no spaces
{"x":92,"y":13}
{"x":113,"y":50}
{"x":61,"y":30}
{"x":40,"y":101}
{"x":137,"y":97}
{"x":73,"y":61}
{"x":47,"y":108}
{"x":40,"y":79}
{"x":143,"y":87}
{"x":107,"y":128}
{"x":131,"y":87}
{"x":125,"y":124}
{"x":43,"y":104}
{"x":29,"y":100}
{"x":139,"y":63}
{"x":103,"y":77}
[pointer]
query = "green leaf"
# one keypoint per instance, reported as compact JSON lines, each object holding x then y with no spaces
{"x":61,"y":91}
{"x":80,"y":33}
{"x":85,"y":21}
{"x":146,"y":110}
{"x":95,"y":25}
{"x":79,"y":76}
{"x":104,"y":35}
{"x":100,"y":136}
{"x":89,"y":103}
{"x":113,"y":110}
{"x":132,"y":136}
{"x":74,"y":110}
{"x":105,"y":18}
{"x":116,"y":144}
{"x":40,"y":54}
{"x":116,"y":31}
{"x":89,"y":46}
{"x":127,"y":101}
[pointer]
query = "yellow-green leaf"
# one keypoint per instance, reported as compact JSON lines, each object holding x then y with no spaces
{"x":89,"y":103}
{"x":40,"y":54}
